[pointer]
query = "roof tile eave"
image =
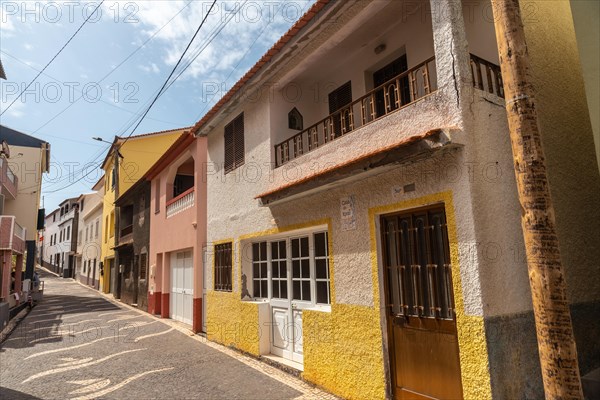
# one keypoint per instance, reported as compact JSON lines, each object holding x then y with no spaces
{"x":274,"y":50}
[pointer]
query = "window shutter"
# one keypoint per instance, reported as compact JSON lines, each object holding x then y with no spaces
{"x":229,"y":159}
{"x":234,"y":143}
{"x":238,"y":140}
{"x":340,"y":97}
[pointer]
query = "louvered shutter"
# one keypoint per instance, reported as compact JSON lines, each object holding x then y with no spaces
{"x":229,"y":158}
{"x":238,"y":140}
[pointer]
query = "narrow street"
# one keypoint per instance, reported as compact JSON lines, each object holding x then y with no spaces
{"x":76,"y":344}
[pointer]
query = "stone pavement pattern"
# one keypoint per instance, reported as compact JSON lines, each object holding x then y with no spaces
{"x":76,"y":344}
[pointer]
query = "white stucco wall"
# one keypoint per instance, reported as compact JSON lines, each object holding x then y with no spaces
{"x":26,"y":164}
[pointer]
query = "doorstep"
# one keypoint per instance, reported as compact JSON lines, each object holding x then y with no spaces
{"x":289,"y":366}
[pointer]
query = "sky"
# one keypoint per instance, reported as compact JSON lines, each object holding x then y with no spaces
{"x":105,"y":77}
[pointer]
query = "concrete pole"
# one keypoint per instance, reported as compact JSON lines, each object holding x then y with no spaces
{"x":556,"y":343}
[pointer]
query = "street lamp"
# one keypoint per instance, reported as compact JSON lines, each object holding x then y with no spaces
{"x":99,"y":139}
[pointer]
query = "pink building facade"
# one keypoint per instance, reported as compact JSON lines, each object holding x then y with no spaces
{"x":178,"y":232}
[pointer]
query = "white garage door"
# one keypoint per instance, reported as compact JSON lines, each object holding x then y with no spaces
{"x":182,"y":278}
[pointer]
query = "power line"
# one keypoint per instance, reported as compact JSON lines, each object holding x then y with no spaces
{"x":171,"y":74}
{"x":53,"y":58}
{"x":155,"y":98}
{"x":117,"y":67}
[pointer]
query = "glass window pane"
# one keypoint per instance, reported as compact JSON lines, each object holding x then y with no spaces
{"x":295,"y":248}
{"x":255,"y":271}
{"x":297,"y":295}
{"x":263,"y":270}
{"x":321,"y":268}
{"x":282,"y":249}
{"x":282,"y":269}
{"x":320,"y":243}
{"x":306,"y":290}
{"x":283,"y":287}
{"x":255,"y":255}
{"x":275,"y":268}
{"x":256,"y":290}
{"x":304,"y":246}
{"x":275,"y":289}
{"x":274,"y":250}
{"x":322,"y":296}
{"x":263,"y":288}
{"x":296,"y":268}
{"x":305,"y":269}
{"x":263,"y":251}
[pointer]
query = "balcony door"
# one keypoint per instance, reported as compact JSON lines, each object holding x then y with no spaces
{"x":421,"y":322}
{"x":338,"y":100}
{"x":386,"y":97}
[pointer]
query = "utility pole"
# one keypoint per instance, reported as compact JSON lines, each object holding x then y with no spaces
{"x":556,"y":343}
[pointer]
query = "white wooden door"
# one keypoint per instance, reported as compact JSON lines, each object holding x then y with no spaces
{"x":286,"y":312}
{"x":182,"y":278}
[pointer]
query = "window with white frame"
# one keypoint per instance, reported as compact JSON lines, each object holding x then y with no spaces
{"x":260,"y":279}
{"x":296,"y":268}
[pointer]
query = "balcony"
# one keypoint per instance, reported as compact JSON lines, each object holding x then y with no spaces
{"x":486,"y":76}
{"x":395,"y":94}
{"x":12,"y":235}
{"x":8,"y":180}
{"x":180,"y":203}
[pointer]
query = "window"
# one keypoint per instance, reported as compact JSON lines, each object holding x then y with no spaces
{"x":84,"y":265}
{"x":111,"y":227}
{"x":68,"y":232}
{"x":113,"y":178}
{"x":260,"y":279}
{"x":417,"y":260}
{"x":322,"y":268}
{"x":81,"y":205}
{"x":279,"y":270}
{"x":234,"y":144}
{"x":61,"y":235}
{"x":54,"y":217}
{"x":297,"y":264}
{"x":143,"y":265}
{"x":157,"y":196}
{"x":86,"y":233}
{"x":223,"y":267}
{"x":300,"y":269}
{"x":106,"y":229}
{"x":295,"y":120}
{"x":97,"y":228}
{"x":80,"y":237}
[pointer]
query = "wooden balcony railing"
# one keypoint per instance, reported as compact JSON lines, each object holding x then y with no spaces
{"x":393,"y":95}
{"x":486,"y":76}
{"x":180,"y":203}
{"x":128,"y":230}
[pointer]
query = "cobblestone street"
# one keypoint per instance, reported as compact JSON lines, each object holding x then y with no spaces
{"x":76,"y":344}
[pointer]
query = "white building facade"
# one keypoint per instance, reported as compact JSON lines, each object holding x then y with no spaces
{"x":363,"y":218}
{"x":60,"y":238}
{"x":89,"y":236}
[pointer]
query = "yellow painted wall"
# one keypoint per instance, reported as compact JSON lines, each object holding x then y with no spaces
{"x":232,"y":322}
{"x":343,"y":349}
{"x":139,"y":154}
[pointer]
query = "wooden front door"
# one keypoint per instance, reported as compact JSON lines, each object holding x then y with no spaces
{"x":421,"y":322}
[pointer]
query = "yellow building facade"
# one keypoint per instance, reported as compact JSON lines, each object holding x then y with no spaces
{"x":132,"y":158}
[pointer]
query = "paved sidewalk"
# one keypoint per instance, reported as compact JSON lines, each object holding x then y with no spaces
{"x":77,"y":344}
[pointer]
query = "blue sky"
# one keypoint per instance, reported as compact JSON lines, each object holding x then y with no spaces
{"x":54,"y":109}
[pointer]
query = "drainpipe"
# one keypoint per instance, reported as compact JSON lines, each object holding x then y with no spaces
{"x":556,"y":343}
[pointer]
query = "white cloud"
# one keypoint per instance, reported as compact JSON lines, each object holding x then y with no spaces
{"x":28,"y":46}
{"x":220,"y":47}
{"x":150,"y":68}
{"x":16,"y":110}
